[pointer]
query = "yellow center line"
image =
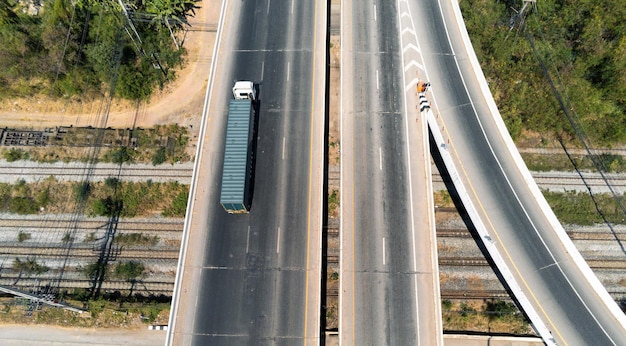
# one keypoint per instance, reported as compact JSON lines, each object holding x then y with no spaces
{"x":308,"y":217}
{"x":554,"y":327}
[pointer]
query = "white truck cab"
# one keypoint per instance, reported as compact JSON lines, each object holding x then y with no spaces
{"x":244,"y":90}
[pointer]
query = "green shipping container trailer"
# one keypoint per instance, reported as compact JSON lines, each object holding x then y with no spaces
{"x":237,"y":171}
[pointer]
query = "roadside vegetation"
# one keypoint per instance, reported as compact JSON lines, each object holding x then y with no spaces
{"x":489,"y":316}
{"x":560,"y":162}
{"x":84,"y":49}
{"x":156,"y":145}
{"x":583,"y":47}
{"x":107,"y":198}
{"x":112,"y":310}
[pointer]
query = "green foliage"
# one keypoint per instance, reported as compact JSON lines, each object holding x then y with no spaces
{"x":82,"y":191}
{"x":90,"y":238}
{"x":179,"y":205}
{"x":612,"y":162}
{"x":333,"y":200}
{"x":76,"y":48}
{"x":500,"y":309}
{"x":30,"y":265}
{"x":136,"y":239}
{"x":583,"y":45}
{"x":578,"y":208}
{"x":121,"y":155}
{"x":22,"y":205}
{"x":112,"y":182}
{"x":22,"y":237}
{"x":91,"y":270}
{"x":107,"y":206}
{"x":130,"y":270}
{"x":466,"y":310}
{"x":43,"y":198}
{"x":446,"y":304}
{"x":15,"y":154}
{"x":159,"y":157}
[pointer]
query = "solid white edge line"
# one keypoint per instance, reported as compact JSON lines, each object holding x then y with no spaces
{"x":341,"y":158}
{"x":192,"y":190}
{"x":513,"y":190}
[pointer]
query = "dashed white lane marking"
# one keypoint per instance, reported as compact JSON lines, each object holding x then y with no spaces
{"x":292,"y":6}
{"x":287,"y":70}
{"x":374,"y":12}
{"x":384,"y":251}
{"x":380,"y":157}
{"x":248,"y":240}
{"x":262,"y":69}
{"x":268,"y":6}
{"x":284,"y":140}
{"x":278,"y":241}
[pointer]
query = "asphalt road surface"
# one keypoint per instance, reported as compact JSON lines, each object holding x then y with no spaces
{"x":387,"y":297}
{"x":564,"y":300}
{"x":254,"y":279}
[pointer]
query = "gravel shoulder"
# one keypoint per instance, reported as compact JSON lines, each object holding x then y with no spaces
{"x":26,"y":335}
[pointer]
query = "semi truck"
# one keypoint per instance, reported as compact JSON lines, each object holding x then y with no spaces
{"x":238,"y":150}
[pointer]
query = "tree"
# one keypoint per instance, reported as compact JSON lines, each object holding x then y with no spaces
{"x":121,"y":155}
{"x":130,"y":271}
{"x":107,"y":206}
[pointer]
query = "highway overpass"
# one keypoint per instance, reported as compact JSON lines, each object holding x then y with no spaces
{"x":555,"y":287}
{"x":254,"y":278}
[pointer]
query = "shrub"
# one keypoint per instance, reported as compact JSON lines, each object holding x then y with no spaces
{"x":22,"y":205}
{"x":15,"y":154}
{"x":159,"y":157}
{"x":21,"y":236}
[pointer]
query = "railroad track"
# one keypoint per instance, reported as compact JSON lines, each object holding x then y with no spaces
{"x":462,"y":294}
{"x":475,"y":294}
{"x":64,"y":223}
{"x":574,"y":235}
{"x":609,"y":263}
{"x":76,"y":172}
{"x":159,"y":287}
{"x":568,"y":179}
{"x":87,"y":252}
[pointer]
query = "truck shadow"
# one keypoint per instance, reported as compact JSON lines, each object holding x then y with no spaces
{"x":252,"y":146}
